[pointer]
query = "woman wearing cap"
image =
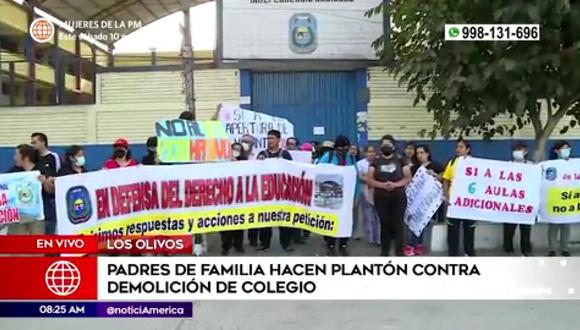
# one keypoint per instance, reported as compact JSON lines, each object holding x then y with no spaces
{"x":121,"y":156}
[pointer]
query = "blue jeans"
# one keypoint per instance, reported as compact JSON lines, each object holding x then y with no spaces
{"x":415,"y":240}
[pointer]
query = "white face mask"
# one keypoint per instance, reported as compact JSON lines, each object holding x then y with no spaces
{"x":80,"y":161}
{"x":518,"y":154}
{"x":246,"y":146}
{"x":564,"y":153}
{"x":236,"y":153}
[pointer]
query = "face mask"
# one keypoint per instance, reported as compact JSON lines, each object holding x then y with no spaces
{"x":518,"y":154}
{"x":387,"y":150}
{"x":152,"y":149}
{"x":119,"y":153}
{"x":565,"y":153}
{"x":236,"y":154}
{"x":80,"y":160}
{"x":246,"y":146}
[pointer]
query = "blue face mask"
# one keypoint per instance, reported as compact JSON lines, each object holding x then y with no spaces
{"x":564,"y":153}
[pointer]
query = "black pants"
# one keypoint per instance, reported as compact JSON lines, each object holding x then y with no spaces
{"x":509,"y":230}
{"x":263,"y":236}
{"x":286,"y":236}
{"x":468,"y":236}
{"x":391,"y":211}
{"x":232,"y":238}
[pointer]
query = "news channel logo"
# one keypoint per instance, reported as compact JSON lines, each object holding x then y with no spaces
{"x":78,"y":205}
{"x":41,"y":30}
{"x":62,"y":278}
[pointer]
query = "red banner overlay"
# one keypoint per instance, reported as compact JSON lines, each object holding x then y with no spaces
{"x":148,"y":244}
{"x":48,"y":278}
{"x":41,"y":244}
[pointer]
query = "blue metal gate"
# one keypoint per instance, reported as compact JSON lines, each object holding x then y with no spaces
{"x":312,"y":101}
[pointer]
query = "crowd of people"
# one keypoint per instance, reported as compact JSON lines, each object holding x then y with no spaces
{"x":380,"y":200}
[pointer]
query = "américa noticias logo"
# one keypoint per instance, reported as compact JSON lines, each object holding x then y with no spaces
{"x":62,"y":278}
{"x":41,"y":30}
{"x":78,"y":205}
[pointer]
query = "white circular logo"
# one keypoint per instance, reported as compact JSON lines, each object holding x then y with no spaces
{"x":41,"y":30}
{"x":62,"y":278}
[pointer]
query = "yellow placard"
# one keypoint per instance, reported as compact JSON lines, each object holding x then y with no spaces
{"x":563,"y":201}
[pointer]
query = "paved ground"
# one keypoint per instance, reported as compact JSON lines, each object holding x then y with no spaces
{"x":323,"y":315}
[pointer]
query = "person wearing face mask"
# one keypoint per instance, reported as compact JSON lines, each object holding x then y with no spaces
{"x":151,"y":158}
{"x":248,"y":149}
{"x":340,"y":157}
{"x":74,"y":162}
{"x":121,"y":156}
{"x":462,"y":150}
{"x":423,"y":159}
{"x":389,"y":175}
{"x":292,"y":144}
{"x":238,"y":152}
{"x":519,"y":154}
{"x":234,"y":238}
{"x":561,"y":150}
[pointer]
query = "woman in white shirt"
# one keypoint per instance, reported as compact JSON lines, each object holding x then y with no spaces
{"x":371,"y":220}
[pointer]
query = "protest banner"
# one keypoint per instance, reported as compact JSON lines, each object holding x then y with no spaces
{"x":242,"y":121}
{"x":560,"y":192}
{"x":304,"y":157}
{"x":424,"y":196}
{"x":20,"y":197}
{"x":203,"y":198}
{"x":182,"y":141}
{"x":495,"y":191}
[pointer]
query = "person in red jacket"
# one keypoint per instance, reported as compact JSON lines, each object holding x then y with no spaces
{"x":121,"y":156}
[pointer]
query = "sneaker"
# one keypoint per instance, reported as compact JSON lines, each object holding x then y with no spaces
{"x":330,"y":251}
{"x":420,"y":250}
{"x":552,"y":254}
{"x":253,"y":244}
{"x":565,"y":254}
{"x":343,"y":251}
{"x":509,"y":253}
{"x":263,"y":248}
{"x":409,"y":251}
{"x":527,"y":254}
{"x":225,"y":252}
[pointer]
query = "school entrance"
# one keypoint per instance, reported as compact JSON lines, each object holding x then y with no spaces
{"x":321,"y":105}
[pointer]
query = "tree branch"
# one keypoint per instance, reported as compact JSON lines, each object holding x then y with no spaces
{"x":550,"y":109}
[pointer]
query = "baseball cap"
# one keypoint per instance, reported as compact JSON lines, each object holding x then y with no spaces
{"x":120,"y":142}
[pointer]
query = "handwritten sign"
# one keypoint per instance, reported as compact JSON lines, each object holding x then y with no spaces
{"x":560,"y":191}
{"x":424,"y":196}
{"x":495,"y":191}
{"x":183,"y":141}
{"x":242,"y":121}
{"x":20,"y":198}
